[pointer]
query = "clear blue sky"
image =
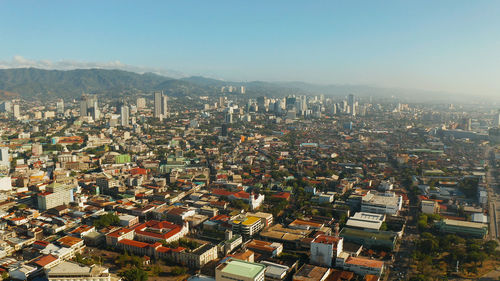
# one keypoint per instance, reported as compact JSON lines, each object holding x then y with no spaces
{"x":449,"y":45}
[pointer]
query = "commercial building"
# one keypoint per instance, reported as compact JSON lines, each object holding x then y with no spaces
{"x":48,"y":200}
{"x":234,"y":269}
{"x":470,"y":229}
{"x":364,"y":220}
{"x":247,"y":225}
{"x":381,"y":203}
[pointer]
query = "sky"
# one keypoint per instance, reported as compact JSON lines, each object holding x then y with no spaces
{"x":444,"y":45}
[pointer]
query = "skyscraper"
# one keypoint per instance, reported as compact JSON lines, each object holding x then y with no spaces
{"x":60,"y":106}
{"x":496,"y":120}
{"x":164,"y":106}
{"x":83,"y":107}
{"x":4,"y":157}
{"x":158,"y":106}
{"x":89,"y":106}
{"x":16,"y":111}
{"x":124,"y":115}
{"x":351,"y":103}
{"x":96,"y":114}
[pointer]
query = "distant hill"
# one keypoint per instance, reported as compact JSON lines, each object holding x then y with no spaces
{"x":47,"y":84}
{"x":32,"y":82}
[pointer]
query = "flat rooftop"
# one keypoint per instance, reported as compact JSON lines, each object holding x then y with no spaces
{"x":243,"y":268}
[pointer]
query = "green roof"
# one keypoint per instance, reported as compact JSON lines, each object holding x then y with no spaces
{"x":243,"y":268}
{"x":346,"y":231}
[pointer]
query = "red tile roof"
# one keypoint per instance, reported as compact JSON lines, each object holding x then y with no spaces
{"x":45,"y":260}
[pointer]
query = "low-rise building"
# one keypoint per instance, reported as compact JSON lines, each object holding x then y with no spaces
{"x":472,"y":229}
{"x":247,"y":225}
{"x":382,"y":203}
{"x":69,"y":271}
{"x":311,"y":273}
{"x":429,"y":207}
{"x":234,"y":269}
{"x":270,"y":249}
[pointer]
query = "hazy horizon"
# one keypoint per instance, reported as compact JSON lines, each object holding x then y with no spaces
{"x":445,"y":46}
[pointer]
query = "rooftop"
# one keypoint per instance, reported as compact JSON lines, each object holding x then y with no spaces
{"x":243,"y":268}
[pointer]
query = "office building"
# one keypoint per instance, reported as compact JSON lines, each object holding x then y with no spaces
{"x":89,"y":107}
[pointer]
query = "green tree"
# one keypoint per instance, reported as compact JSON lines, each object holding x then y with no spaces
{"x":178,"y":270}
{"x":134,"y":274}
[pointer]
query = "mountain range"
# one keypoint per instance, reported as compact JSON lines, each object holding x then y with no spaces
{"x":33,"y":83}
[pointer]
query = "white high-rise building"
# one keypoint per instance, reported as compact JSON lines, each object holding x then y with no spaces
{"x":158,"y":106}
{"x":60,"y":106}
{"x":96,"y":114}
{"x":164,"y":106}
{"x":17,"y":113}
{"x":161,"y":106}
{"x":124,"y":115}
{"x":141,"y":103}
{"x":4,"y":157}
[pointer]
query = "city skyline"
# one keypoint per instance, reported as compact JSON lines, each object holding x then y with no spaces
{"x":442,"y":46}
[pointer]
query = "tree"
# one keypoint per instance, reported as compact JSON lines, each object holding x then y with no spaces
{"x":490,"y":246}
{"x":107,"y":220}
{"x":134,"y":274}
{"x":178,"y":270}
